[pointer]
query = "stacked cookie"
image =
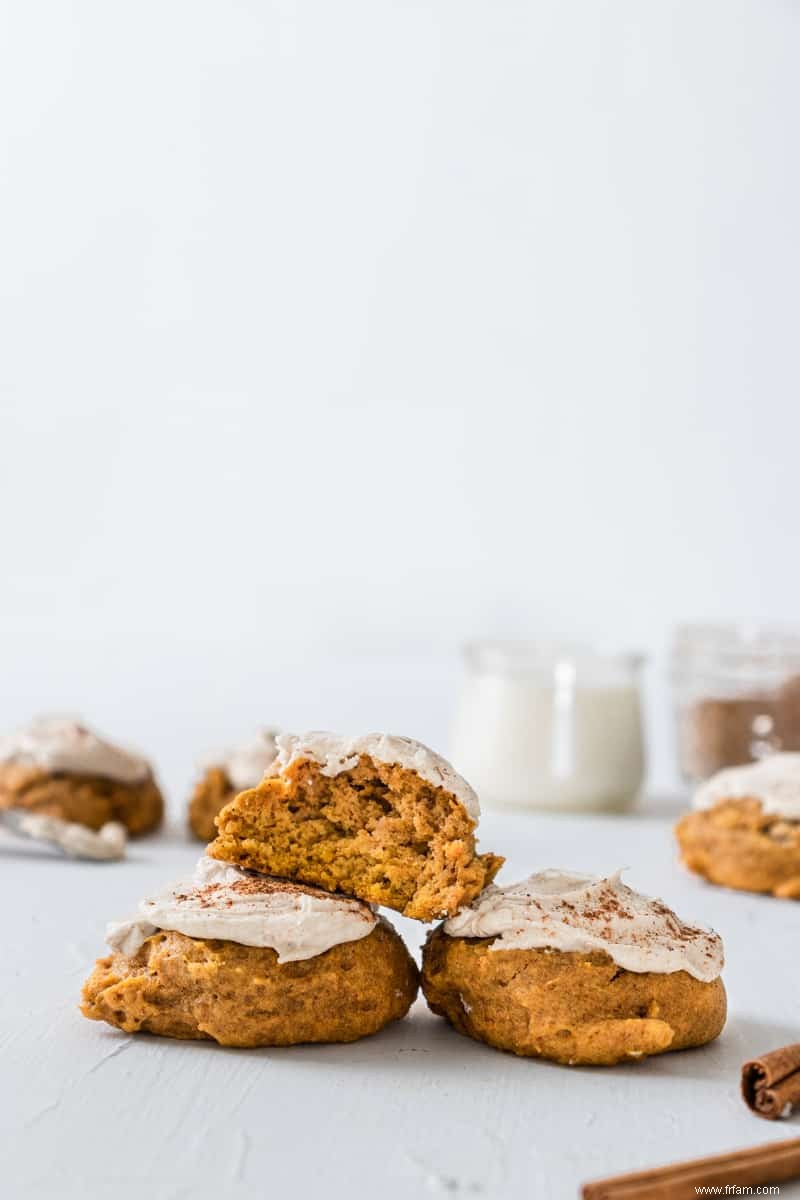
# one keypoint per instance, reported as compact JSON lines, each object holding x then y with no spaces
{"x":275,"y":940}
{"x":378,"y":817}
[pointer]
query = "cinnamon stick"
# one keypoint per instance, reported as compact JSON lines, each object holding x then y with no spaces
{"x":774,"y":1163}
{"x":771,"y":1083}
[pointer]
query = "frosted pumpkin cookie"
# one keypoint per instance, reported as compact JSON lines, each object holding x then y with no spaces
{"x":239,"y":768}
{"x":577,"y":970}
{"x":745,"y":830}
{"x":246,"y":960}
{"x":58,"y":768}
{"x":378,"y":817}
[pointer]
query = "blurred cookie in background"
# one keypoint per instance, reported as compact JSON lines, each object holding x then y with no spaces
{"x":224,"y":776}
{"x":744,"y":832}
{"x":57,"y":767}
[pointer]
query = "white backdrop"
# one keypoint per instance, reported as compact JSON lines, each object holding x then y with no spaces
{"x":333,"y":334}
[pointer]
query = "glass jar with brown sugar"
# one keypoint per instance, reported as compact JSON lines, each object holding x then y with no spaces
{"x":737,"y":695}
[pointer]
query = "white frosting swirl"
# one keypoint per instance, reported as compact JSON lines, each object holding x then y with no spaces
{"x":580,"y":914}
{"x":222,"y":901}
{"x":62,"y":744}
{"x":245,"y":765}
{"x":337,"y":754}
{"x":774,"y":780}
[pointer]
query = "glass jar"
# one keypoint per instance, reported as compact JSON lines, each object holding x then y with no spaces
{"x":736,"y":695}
{"x":550,"y":726}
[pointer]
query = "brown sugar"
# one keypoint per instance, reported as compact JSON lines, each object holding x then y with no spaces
{"x":718,"y":732}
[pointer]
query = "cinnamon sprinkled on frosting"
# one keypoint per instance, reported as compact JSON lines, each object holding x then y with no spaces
{"x":580,"y":914}
{"x":223,"y":901}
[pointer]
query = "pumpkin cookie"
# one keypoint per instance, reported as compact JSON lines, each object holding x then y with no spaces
{"x":58,"y":768}
{"x":577,"y":970}
{"x":745,"y":830}
{"x":225,"y":776}
{"x":378,"y":817}
{"x":245,"y":960}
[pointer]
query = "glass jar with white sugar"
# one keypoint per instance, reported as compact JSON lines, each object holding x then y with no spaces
{"x":550,"y":726}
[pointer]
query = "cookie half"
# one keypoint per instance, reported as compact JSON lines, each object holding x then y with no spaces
{"x":381,"y":818}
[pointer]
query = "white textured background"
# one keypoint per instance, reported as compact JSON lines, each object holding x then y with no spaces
{"x":334,"y":333}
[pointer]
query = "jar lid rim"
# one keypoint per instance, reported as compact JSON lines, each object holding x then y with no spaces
{"x":735,"y":648}
{"x":547,"y":654}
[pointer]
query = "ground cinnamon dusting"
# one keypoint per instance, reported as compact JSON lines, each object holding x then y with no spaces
{"x":210,"y":895}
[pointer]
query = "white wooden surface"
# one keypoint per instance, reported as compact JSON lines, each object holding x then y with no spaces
{"x":88,"y":1111}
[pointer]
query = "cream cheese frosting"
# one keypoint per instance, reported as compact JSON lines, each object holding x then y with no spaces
{"x":222,"y":901}
{"x":582,"y":914}
{"x":245,"y":765}
{"x":62,"y":744}
{"x":73,"y":839}
{"x":337,"y":754}
{"x":774,"y":780}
